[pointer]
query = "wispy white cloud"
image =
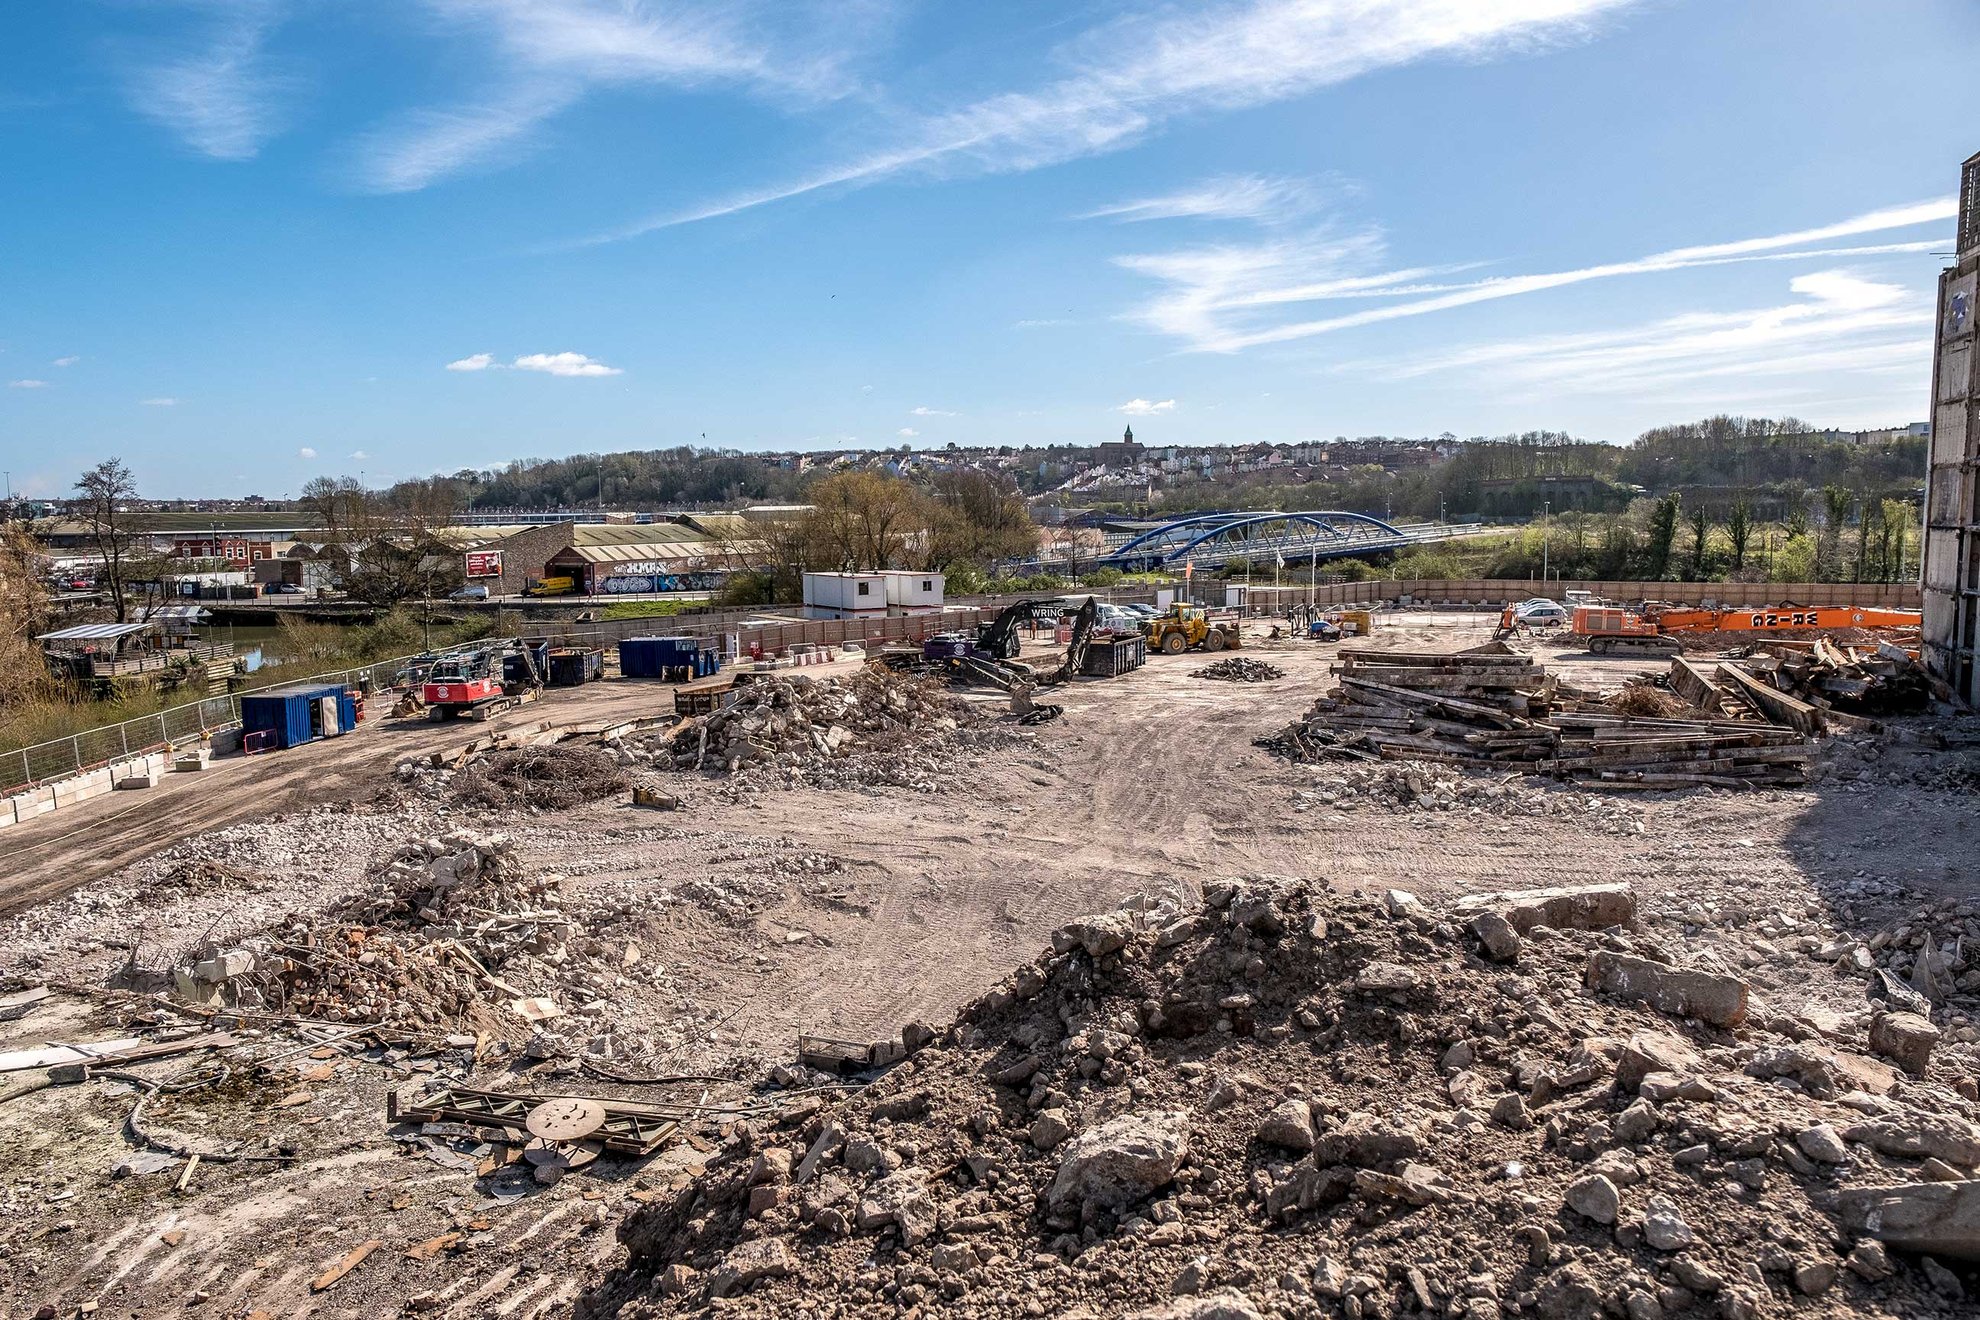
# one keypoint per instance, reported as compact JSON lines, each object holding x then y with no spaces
{"x":163,"y":401}
{"x":545,"y":56}
{"x":358,"y":455}
{"x":305,"y":452}
{"x":1234,"y":197}
{"x":430,"y":143}
{"x":929,"y":412}
{"x":67,"y":361}
{"x":907,"y":433}
{"x":1126,"y":78}
{"x":27,"y":384}
{"x":564,"y":364}
{"x":1145,"y":408}
{"x":1839,"y":328}
{"x":222,"y":97}
{"x":1037,"y":323}
{"x":1227,"y":298}
{"x":472,"y":362}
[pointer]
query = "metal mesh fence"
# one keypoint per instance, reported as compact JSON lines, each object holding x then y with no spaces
{"x":182,"y":724}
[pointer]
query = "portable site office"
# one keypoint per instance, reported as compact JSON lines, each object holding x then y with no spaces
{"x":290,"y":716}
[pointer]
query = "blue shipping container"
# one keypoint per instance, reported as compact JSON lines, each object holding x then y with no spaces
{"x":663,"y":657}
{"x":295,"y":714}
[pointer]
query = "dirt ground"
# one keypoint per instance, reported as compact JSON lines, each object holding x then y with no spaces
{"x":757,"y":917}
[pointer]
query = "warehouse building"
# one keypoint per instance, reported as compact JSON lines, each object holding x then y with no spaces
{"x":1952,"y":510}
{"x":602,"y":559}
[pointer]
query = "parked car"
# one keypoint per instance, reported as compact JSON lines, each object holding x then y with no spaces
{"x":470,"y":593}
{"x":1115,"y":619}
{"x":1142,"y":610}
{"x":1540,"y":613}
{"x":286,"y":589}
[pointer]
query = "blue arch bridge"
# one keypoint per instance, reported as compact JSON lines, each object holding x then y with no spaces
{"x":1263,"y":538}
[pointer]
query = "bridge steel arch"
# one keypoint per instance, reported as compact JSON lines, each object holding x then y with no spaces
{"x":1334,"y":531}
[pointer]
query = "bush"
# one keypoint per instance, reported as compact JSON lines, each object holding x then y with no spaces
{"x":964,"y":578}
{"x":1106,"y":577}
{"x":747,"y":591}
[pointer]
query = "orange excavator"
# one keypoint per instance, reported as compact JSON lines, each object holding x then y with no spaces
{"x":1611,"y":630}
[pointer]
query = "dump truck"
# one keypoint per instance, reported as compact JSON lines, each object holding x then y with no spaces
{"x":1188,"y":627}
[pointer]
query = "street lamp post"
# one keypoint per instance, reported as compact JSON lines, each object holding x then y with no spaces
{"x":1546,"y":539}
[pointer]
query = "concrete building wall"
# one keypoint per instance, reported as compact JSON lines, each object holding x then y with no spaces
{"x":524,"y":555}
{"x":1952,"y":513}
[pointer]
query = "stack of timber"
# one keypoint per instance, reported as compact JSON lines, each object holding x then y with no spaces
{"x":1503,"y":711}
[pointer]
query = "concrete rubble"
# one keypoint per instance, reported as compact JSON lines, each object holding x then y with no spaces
{"x":1427,"y":792}
{"x":1240,"y":669}
{"x":1291,"y":1101}
{"x":874,"y":728}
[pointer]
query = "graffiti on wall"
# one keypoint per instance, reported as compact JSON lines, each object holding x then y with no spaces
{"x":623,"y":583}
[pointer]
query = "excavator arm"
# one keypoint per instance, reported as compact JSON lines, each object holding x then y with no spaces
{"x":1082,"y":637}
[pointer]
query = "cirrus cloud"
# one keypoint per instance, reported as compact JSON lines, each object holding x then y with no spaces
{"x":163,"y":401}
{"x":27,"y":384}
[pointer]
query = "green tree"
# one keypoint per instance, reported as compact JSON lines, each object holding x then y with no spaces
{"x":1701,"y":533}
{"x":1663,"y":535}
{"x":1836,"y":502}
{"x":1739,"y":529}
{"x":1797,"y":560}
{"x":1895,"y":518}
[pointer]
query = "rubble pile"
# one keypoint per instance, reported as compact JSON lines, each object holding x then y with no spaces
{"x":1293,"y":1102}
{"x":550,"y":778}
{"x":1240,"y":669}
{"x":451,"y":935}
{"x":1928,"y":952}
{"x":1499,"y":709}
{"x":1877,"y":679}
{"x":876,"y":727}
{"x":1425,"y":788}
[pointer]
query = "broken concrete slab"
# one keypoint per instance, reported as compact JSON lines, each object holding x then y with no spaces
{"x":1122,"y":1160}
{"x":1942,"y":1218}
{"x":1564,"y":907}
{"x":1906,"y":1039}
{"x":1654,"y":1052}
{"x":1707,"y":996}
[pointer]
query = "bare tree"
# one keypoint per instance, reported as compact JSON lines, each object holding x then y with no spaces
{"x":105,"y":489}
{"x":387,"y":545}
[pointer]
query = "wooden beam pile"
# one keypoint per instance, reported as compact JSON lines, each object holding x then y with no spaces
{"x":1870,"y":680}
{"x":1502,"y":710}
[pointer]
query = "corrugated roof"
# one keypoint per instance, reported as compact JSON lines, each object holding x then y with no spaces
{"x":584,"y":534}
{"x":94,"y":632}
{"x":193,"y":612}
{"x":695,"y":552}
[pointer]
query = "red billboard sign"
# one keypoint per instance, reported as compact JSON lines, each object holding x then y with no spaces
{"x":484,"y":563}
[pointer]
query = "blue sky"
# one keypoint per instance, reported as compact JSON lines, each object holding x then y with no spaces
{"x":247,"y":242}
